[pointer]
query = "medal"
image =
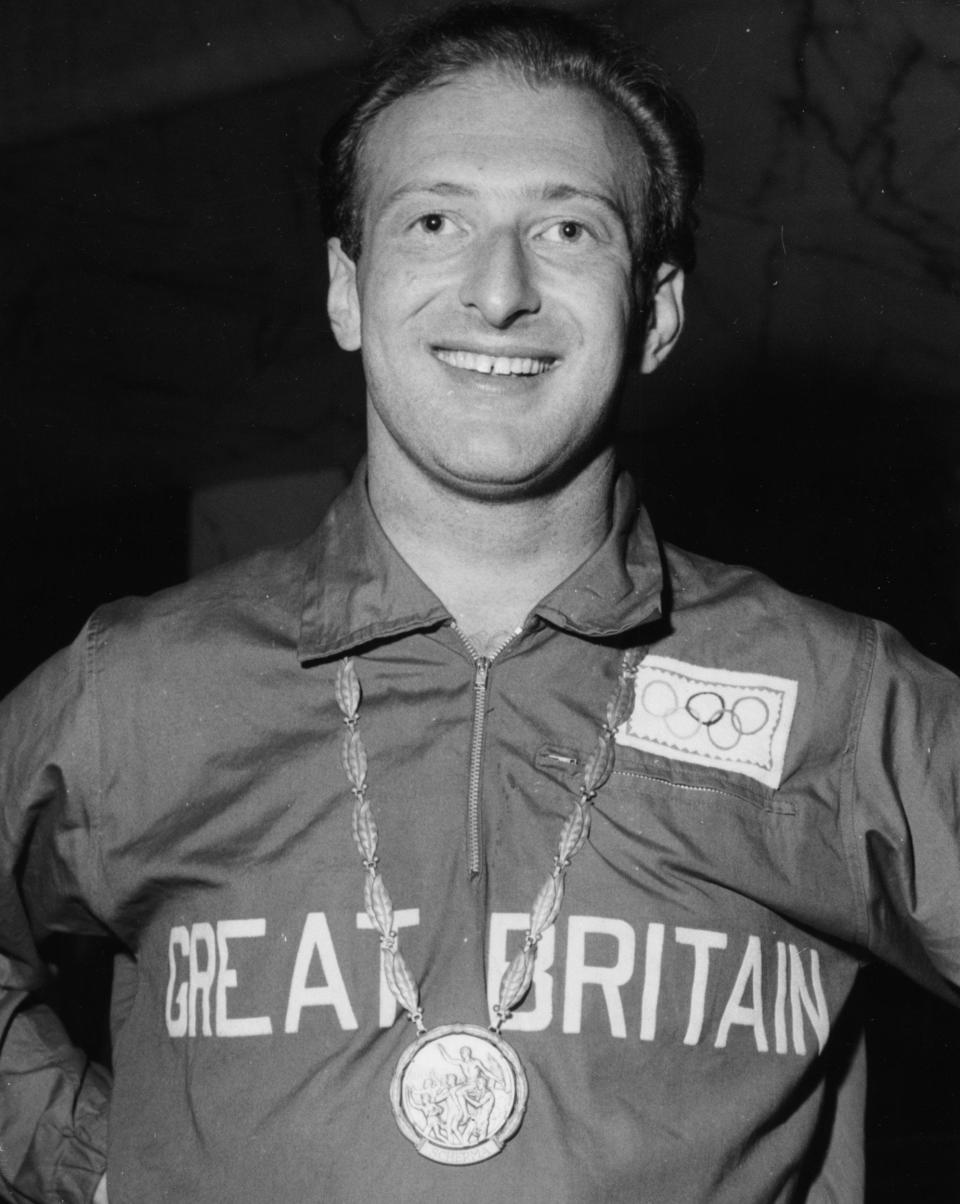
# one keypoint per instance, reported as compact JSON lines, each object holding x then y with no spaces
{"x":459,"y":1092}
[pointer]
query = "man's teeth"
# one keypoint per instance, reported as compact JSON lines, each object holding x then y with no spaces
{"x":495,"y":365}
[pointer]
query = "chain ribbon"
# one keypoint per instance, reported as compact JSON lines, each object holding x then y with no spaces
{"x":376,"y":899}
{"x":546,"y":906}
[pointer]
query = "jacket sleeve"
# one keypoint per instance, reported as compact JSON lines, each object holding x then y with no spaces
{"x":53,"y":1100}
{"x":904,"y":827}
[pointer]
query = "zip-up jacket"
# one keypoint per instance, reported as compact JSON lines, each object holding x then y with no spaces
{"x":782,"y":808}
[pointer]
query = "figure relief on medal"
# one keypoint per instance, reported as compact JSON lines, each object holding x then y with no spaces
{"x":456,"y":1095}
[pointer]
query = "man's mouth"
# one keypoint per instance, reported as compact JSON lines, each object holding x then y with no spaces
{"x":495,"y":365}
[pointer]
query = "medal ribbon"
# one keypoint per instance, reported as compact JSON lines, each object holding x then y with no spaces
{"x":546,"y":906}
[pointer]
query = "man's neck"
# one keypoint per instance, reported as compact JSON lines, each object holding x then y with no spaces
{"x":490,"y":561}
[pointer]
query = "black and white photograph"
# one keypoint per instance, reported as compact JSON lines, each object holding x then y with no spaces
{"x":480,"y":706}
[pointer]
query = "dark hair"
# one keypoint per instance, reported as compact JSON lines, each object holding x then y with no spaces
{"x":543,"y":47}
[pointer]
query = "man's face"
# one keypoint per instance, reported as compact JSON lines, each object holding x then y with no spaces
{"x":493,"y":295}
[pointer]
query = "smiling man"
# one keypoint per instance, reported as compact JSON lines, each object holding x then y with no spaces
{"x":495,"y":302}
{"x":480,"y":848}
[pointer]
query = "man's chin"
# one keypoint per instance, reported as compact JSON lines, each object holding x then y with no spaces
{"x":502,"y":484}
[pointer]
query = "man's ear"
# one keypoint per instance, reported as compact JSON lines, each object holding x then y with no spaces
{"x":666,"y":317}
{"x":343,"y":301}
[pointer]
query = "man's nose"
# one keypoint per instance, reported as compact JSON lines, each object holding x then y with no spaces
{"x":499,"y":281}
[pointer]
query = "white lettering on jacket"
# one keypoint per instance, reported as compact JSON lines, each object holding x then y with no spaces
{"x":236,"y":1026}
{"x":184,"y":993}
{"x":716,"y":988}
{"x":316,"y":939}
{"x":609,"y":975}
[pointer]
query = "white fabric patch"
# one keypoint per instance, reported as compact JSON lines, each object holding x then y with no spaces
{"x":735,"y":721}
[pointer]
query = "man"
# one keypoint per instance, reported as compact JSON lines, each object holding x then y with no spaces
{"x":479,"y":753}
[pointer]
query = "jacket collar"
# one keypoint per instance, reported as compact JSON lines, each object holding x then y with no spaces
{"x":358,"y":589}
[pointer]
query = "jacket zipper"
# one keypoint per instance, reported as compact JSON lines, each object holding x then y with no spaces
{"x":481,"y":672}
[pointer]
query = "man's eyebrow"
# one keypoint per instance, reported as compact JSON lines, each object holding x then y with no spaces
{"x":438,"y":188}
{"x":569,"y":192}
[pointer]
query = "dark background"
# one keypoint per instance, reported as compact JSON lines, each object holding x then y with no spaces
{"x":162,"y":339}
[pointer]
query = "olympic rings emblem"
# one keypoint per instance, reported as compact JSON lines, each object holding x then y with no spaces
{"x":707,"y":710}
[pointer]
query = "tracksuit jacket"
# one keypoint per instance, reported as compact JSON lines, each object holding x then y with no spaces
{"x":783,"y":808}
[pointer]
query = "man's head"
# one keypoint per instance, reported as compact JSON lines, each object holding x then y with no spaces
{"x":505,"y":235}
{"x":541,"y":47}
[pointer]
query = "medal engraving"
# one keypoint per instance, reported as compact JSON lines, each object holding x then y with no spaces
{"x":458,"y":1094}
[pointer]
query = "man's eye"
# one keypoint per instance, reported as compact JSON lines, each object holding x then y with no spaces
{"x":566,"y":232}
{"x":432,"y":223}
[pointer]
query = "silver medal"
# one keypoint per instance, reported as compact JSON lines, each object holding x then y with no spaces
{"x":459,"y":1093}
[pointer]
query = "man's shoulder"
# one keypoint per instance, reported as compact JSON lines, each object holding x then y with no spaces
{"x":739,"y":590}
{"x":737,"y":619}
{"x":254,"y":600}
{"x":734,"y":613}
